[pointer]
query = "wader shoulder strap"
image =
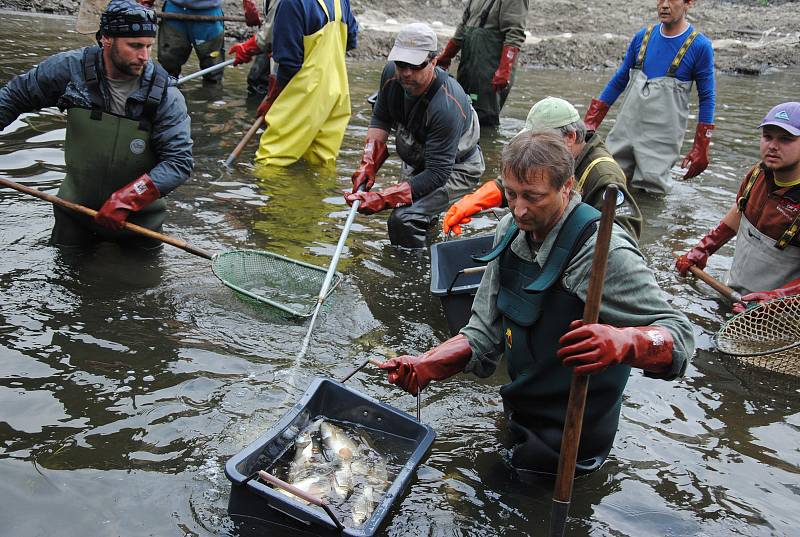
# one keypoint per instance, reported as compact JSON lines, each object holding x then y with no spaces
{"x":579,"y":226}
{"x":789,"y":234}
{"x":794,"y":194}
{"x":485,"y":14}
{"x":494,"y":253}
{"x":590,"y":167}
{"x":91,"y":74}
{"x":155,"y":94}
{"x":673,"y":67}
{"x":752,"y":177}
{"x":643,"y":48}
{"x":416,"y":119}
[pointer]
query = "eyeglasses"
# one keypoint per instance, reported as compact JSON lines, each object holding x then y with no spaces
{"x":404,"y":65}
{"x":132,"y":16}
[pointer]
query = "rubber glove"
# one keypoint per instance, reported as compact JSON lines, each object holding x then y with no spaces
{"x":697,"y":158}
{"x":251,"y":13}
{"x":450,"y":50}
{"x":134,"y":196}
{"x":375,"y":153}
{"x":245,"y":51}
{"x":502,"y":76}
{"x":380,"y":200}
{"x":486,"y":197}
{"x":275,"y":89}
{"x":790,"y":289}
{"x":147,"y":3}
{"x":592,"y":348}
{"x":698,"y":256}
{"x":413,"y":373}
{"x":595,"y":114}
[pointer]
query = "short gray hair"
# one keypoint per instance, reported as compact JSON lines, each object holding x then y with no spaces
{"x":534,"y":150}
{"x":578,"y":127}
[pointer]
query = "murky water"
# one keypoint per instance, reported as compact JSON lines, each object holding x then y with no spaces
{"x":126,"y":382}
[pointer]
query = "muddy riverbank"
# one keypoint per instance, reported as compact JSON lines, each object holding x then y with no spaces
{"x":750,"y":36}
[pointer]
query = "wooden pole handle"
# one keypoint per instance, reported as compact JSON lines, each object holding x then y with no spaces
{"x":717,"y":285}
{"x":91,"y":213}
{"x":246,"y":138}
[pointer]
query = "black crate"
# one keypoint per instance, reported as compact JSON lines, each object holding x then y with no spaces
{"x":256,"y":504}
{"x":455,"y":289}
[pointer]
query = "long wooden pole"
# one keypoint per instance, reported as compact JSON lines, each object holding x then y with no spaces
{"x":246,"y":138}
{"x":198,"y":18}
{"x":717,"y":285}
{"x":570,"y":440}
{"x":91,"y":213}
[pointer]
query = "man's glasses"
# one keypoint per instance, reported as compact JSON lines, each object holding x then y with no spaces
{"x":404,"y":65}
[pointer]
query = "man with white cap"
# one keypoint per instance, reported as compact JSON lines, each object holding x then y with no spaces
{"x":595,"y":169}
{"x":764,"y":218}
{"x":437,"y":133}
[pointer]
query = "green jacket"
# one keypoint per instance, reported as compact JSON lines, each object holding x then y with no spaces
{"x":505,"y":16}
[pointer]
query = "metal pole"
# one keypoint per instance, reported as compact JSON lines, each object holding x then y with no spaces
{"x":205,"y":71}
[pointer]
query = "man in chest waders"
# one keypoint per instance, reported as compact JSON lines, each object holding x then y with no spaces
{"x":765,"y":217}
{"x":529,"y":305}
{"x":437,"y":133}
{"x":308,"y":107}
{"x":490,"y":35}
{"x":595,"y":169}
{"x":657,"y":73}
{"x":128,"y":137}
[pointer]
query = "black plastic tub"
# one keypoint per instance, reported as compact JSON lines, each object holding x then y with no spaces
{"x":455,"y":288}
{"x":261,"y":508}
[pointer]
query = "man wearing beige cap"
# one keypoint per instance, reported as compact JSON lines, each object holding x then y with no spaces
{"x":595,"y":168}
{"x":436,"y":137}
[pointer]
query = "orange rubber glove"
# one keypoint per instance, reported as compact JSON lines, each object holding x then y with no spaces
{"x":134,"y":196}
{"x":698,"y":256}
{"x":502,"y":76}
{"x":450,"y":50}
{"x":592,"y":348}
{"x":380,"y":200}
{"x":486,"y":197}
{"x":245,"y":51}
{"x":375,"y":154}
{"x":595,"y":114}
{"x":251,"y":13}
{"x":413,"y":373}
{"x":697,"y":158}
{"x":275,"y":89}
{"x":790,"y":289}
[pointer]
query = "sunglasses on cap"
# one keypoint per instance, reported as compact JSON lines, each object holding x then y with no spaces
{"x":404,"y":65}
{"x":132,"y":16}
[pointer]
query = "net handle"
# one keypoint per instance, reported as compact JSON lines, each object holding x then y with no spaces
{"x":55,"y":200}
{"x":717,"y":285}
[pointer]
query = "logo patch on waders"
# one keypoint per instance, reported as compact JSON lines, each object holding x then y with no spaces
{"x":137,"y":146}
{"x":509,"y":339}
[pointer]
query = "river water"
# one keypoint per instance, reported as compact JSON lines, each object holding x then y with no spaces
{"x":127,"y":381}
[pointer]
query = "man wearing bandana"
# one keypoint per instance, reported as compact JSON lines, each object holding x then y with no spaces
{"x":128,"y":141}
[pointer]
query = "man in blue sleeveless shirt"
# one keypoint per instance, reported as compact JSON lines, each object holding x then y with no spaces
{"x":528,"y":307}
{"x":660,"y":65}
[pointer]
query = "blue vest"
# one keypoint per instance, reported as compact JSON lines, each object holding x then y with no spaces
{"x":537,"y":311}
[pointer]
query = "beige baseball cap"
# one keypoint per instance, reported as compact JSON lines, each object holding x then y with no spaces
{"x":413,"y":44}
{"x":550,"y":113}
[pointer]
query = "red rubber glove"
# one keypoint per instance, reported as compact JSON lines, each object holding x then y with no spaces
{"x":251,"y":13}
{"x":698,"y":256}
{"x":697,"y":158}
{"x":413,"y":373}
{"x":375,"y":154}
{"x":790,"y":289}
{"x":147,"y":3}
{"x":275,"y":89}
{"x":380,"y":200}
{"x":595,"y":114}
{"x":450,"y":50}
{"x":486,"y":197}
{"x":245,"y":51}
{"x":592,"y":348}
{"x":134,"y":196}
{"x":502,"y":76}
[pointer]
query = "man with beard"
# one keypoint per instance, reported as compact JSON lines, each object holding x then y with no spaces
{"x":128,"y":139}
{"x":764,"y":218}
{"x":437,"y":133}
{"x":529,"y":305}
{"x":661,"y":63}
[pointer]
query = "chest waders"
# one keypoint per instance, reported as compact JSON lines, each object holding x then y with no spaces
{"x":480,"y":57}
{"x":760,"y":263}
{"x":537,"y":311}
{"x":103,"y":153}
{"x":647,"y":137}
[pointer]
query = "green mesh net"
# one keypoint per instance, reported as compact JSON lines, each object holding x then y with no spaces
{"x":767,"y":336}
{"x":283,"y":283}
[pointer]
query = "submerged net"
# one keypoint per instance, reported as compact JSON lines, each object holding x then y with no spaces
{"x":766,"y":336}
{"x":283,"y":283}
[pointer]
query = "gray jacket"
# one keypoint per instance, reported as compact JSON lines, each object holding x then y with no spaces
{"x":59,"y":81}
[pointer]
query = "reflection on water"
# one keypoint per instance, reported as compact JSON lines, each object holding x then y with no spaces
{"x":127,"y":382}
